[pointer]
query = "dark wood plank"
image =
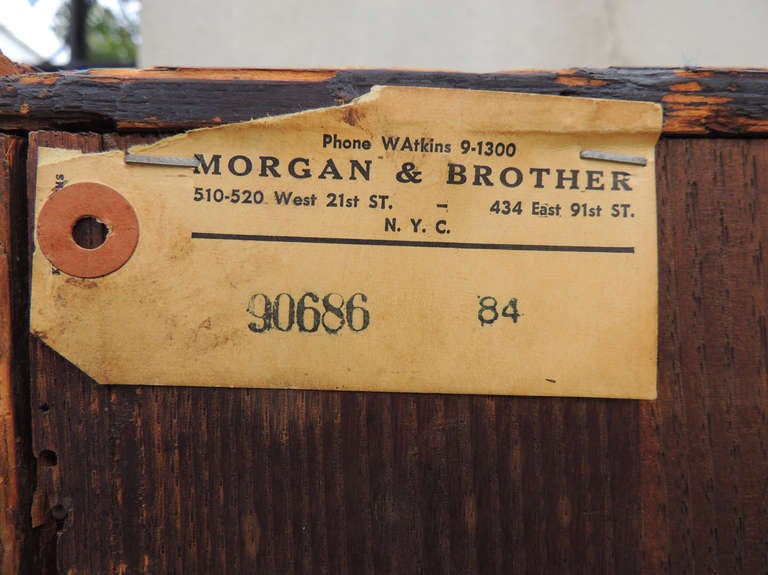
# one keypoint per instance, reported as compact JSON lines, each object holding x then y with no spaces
{"x":700,"y":101}
{"x":190,"y":480}
{"x":155,"y":480}
{"x":15,"y":433}
{"x":704,"y":442}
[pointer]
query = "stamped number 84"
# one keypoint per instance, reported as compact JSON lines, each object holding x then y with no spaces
{"x":488,"y":312}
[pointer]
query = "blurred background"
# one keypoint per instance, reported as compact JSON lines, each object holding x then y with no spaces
{"x":52,"y":34}
{"x":472,"y":36}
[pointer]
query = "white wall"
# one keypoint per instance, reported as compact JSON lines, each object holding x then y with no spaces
{"x":469,"y":35}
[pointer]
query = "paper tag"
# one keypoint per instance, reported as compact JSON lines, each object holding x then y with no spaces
{"x":417,"y":239}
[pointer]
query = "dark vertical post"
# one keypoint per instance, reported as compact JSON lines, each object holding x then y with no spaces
{"x":78,"y":43}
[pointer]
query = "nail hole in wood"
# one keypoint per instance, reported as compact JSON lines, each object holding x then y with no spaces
{"x":59,"y":512}
{"x":47,"y":458}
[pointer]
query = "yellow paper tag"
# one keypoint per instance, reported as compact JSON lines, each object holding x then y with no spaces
{"x":416,"y":239}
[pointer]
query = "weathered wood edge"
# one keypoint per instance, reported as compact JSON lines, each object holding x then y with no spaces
{"x":9,"y":67}
{"x":696,"y":101}
{"x":9,"y":487}
{"x":16,"y":465}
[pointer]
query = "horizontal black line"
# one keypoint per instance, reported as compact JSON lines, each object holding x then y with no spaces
{"x":413,"y":244}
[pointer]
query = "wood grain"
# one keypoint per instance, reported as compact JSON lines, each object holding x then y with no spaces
{"x":703,"y":443}
{"x":183,"y":480}
{"x":15,"y":434}
{"x":196,"y":481}
{"x":697,"y":101}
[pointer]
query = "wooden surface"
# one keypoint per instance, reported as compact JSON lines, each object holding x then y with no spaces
{"x":704,"y":442}
{"x":16,"y":474}
{"x":181,"y":480}
{"x":696,"y":101}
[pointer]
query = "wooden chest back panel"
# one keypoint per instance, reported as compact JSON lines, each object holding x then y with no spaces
{"x":183,"y":480}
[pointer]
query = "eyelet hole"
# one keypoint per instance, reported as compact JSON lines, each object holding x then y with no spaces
{"x":89,"y":232}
